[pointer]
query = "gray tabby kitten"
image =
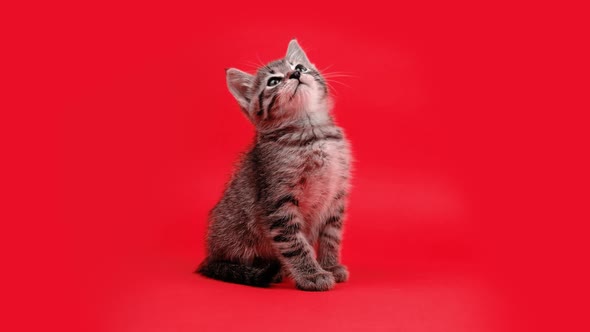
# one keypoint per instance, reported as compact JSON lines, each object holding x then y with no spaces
{"x":288,"y":196}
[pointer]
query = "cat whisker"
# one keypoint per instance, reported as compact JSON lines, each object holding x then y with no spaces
{"x":262,"y":64}
{"x":339,"y":72}
{"x":338,"y":75}
{"x":326,"y":68}
{"x":332,"y":89}
{"x":253,"y":65}
{"x":341,"y":83}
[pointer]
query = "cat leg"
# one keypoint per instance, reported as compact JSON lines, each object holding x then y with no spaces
{"x":329,"y":241}
{"x":297,"y":255}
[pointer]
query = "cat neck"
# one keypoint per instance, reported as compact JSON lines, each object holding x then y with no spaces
{"x":308,"y":121}
{"x":301,"y":131}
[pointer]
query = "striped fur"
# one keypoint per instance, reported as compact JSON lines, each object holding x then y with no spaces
{"x":288,"y":194}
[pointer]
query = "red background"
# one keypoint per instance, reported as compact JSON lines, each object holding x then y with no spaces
{"x":467,"y":126}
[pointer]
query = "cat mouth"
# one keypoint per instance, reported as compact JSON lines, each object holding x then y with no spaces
{"x":296,"y":88}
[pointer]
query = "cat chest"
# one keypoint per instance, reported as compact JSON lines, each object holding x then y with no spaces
{"x":321,"y":176}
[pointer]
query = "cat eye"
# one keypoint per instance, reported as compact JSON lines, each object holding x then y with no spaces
{"x":300,"y":68}
{"x":273,"y":81}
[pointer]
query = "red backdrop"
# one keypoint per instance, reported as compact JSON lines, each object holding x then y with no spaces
{"x":464,"y":121}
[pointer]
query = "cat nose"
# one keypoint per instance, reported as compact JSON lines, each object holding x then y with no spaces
{"x":295,"y":75}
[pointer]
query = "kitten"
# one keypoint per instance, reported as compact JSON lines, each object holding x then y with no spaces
{"x":288,"y":195}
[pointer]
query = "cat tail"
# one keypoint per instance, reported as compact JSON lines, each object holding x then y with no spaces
{"x":260,"y":275}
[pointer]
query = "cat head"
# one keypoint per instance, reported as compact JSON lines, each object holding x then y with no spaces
{"x":284,"y":90}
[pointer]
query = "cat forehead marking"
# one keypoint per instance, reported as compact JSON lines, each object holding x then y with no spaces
{"x":279,"y":66}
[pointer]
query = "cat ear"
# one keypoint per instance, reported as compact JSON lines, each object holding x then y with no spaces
{"x":239,"y":83}
{"x":295,"y":53}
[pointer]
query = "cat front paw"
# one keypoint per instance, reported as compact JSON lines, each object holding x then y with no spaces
{"x":340,"y":272}
{"x":321,"y":281}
